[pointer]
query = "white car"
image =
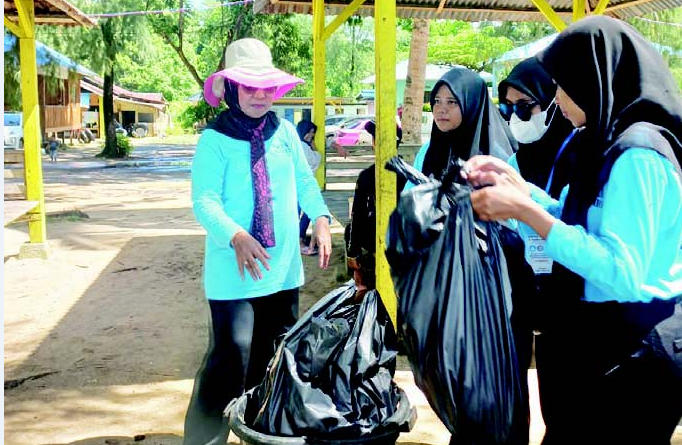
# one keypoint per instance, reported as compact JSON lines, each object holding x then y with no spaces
{"x":14,"y":130}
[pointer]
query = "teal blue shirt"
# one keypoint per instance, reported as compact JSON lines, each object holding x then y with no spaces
{"x":222,"y":197}
{"x":631,"y":249}
{"x":418,"y":162}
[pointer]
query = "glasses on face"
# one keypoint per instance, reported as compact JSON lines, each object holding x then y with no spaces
{"x":522,"y":109}
{"x":252,"y":90}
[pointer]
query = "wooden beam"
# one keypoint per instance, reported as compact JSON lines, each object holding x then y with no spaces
{"x":601,"y":6}
{"x":578,"y":9}
{"x":528,"y":14}
{"x":31,"y":114}
{"x":385,"y":143}
{"x":319,"y":82}
{"x":441,"y":5}
{"x":13,"y":27}
{"x":626,"y":5}
{"x":549,"y":14}
{"x":341,"y":18}
{"x":26,"y":17}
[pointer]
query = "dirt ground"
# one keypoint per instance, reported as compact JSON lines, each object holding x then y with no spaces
{"x":102,"y":340}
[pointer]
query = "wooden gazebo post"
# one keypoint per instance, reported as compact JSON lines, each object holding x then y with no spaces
{"x":61,"y":12}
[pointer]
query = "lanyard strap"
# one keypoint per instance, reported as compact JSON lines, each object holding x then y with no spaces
{"x":561,"y":150}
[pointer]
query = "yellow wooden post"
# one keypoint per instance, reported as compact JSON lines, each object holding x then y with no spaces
{"x":31,"y":113}
{"x":550,"y":14}
{"x":101,"y":133}
{"x":319,"y":80}
{"x":385,"y":142}
{"x":578,"y":9}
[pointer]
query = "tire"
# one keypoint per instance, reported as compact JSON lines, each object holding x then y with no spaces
{"x":140,"y":130}
{"x":88,"y":134}
{"x":82,"y":137}
{"x":21,"y":144}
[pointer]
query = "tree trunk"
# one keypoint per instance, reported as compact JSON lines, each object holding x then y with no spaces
{"x":110,"y":148}
{"x":414,"y":84}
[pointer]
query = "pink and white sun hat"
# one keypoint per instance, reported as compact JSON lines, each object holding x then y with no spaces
{"x":248,"y":62}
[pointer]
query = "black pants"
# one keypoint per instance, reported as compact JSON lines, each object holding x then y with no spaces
{"x":593,"y":391}
{"x":242,"y":339}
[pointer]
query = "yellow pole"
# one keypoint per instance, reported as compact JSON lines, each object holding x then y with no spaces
{"x":341,"y":18}
{"x":385,"y":142}
{"x":578,"y":9}
{"x":550,"y":14}
{"x":31,"y":113}
{"x":100,"y":125}
{"x":319,"y":65}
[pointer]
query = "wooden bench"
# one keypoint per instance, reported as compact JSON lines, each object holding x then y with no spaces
{"x":15,"y":204}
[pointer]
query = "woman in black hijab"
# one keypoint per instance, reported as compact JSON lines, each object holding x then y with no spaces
{"x":616,"y":238}
{"x":465,"y":123}
{"x":527,"y":102}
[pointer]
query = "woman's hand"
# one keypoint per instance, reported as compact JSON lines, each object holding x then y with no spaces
{"x":500,"y":201}
{"x":486,"y":170}
{"x":504,"y":199}
{"x":323,"y":240}
{"x":249,"y":252}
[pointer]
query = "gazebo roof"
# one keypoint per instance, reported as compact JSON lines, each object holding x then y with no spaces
{"x":471,"y":10}
{"x":52,"y":12}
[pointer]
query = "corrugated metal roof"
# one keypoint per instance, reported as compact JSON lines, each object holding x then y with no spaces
{"x":52,"y":12}
{"x":470,"y":10}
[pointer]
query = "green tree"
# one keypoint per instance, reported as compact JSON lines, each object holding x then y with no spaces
{"x":461,"y":43}
{"x":98,"y":48}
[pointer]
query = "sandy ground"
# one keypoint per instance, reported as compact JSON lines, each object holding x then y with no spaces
{"x":102,"y":340}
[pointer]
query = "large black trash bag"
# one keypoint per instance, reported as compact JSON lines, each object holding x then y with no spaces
{"x":332,"y":374}
{"x":454,"y":307}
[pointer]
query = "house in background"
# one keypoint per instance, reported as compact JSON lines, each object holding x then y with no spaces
{"x":433,"y":73}
{"x":144,"y":113}
{"x":59,"y":85}
{"x":70,"y":95}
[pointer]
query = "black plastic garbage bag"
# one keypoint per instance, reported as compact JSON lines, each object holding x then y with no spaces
{"x":454,"y":307}
{"x":332,"y":374}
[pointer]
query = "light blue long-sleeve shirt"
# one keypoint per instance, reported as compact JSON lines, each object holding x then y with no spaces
{"x":223,"y":201}
{"x":632,"y":248}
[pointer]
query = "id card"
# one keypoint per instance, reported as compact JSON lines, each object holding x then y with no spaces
{"x":535,"y":255}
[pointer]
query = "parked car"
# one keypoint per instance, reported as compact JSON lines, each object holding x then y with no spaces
{"x":353,"y":134}
{"x":348,"y":122}
{"x":13,"y":130}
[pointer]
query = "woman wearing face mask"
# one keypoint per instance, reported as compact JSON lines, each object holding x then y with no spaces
{"x":527,"y":103}
{"x":465,"y":123}
{"x":615,"y":237}
{"x":248,"y":173}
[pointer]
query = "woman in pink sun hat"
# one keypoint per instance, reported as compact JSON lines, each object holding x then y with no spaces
{"x":248,"y":174}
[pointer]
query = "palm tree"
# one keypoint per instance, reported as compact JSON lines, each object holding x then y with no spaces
{"x":414,"y":83}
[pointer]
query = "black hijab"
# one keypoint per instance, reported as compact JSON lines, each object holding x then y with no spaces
{"x":630,"y":99}
{"x":626,"y":91}
{"x":303,"y":127}
{"x":482,"y":131}
{"x":536,"y":159}
{"x":235,"y":124}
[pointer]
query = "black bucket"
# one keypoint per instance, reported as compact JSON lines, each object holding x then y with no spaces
{"x":402,"y":420}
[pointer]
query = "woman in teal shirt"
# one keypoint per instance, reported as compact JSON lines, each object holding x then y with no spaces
{"x":615,"y":236}
{"x":248,"y":174}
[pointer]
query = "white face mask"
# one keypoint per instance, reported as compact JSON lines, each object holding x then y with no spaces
{"x":530,"y":130}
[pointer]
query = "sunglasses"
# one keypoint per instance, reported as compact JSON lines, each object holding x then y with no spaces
{"x":521,"y":109}
{"x":252,"y":90}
